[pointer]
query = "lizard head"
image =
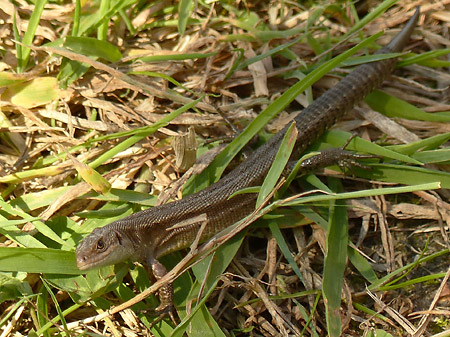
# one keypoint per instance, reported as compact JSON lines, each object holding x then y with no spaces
{"x":104,"y":246}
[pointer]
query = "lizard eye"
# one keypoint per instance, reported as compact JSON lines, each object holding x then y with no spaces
{"x":100,"y":244}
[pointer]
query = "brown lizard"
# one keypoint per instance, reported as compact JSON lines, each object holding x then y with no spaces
{"x":147,"y":235}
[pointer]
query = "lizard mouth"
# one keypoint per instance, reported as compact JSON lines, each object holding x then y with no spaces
{"x":98,"y":260}
{"x":84,"y":264}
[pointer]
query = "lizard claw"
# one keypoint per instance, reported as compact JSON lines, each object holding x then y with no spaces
{"x":162,"y":311}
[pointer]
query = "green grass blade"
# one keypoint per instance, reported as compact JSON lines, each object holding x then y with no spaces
{"x":127,"y":21}
{"x":363,"y":266}
{"x":377,"y":285}
{"x":42,"y":308}
{"x":402,"y":174}
{"x":17,"y":235}
{"x":378,"y":333}
{"x":31,"y":201}
{"x":175,"y":57}
{"x":57,"y":307}
{"x":88,"y":46}
{"x":269,"y":53}
{"x":185,"y":9}
{"x":161,"y":75}
{"x":57,"y":318}
{"x":429,"y":143}
{"x":281,"y":242}
{"x":30,"y":33}
{"x":40,"y":226}
{"x":38,"y":260}
{"x":102,"y":30}
{"x":279,"y":164}
{"x":334,"y":265}
{"x":433,"y":54}
{"x":91,"y":22}
{"x":76,"y":18}
{"x":439,"y":156}
{"x":17,"y":37}
{"x":380,"y":9}
{"x":395,"y":107}
{"x":355,"y":61}
{"x":317,"y":199}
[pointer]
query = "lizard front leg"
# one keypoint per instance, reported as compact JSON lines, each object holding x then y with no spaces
{"x":165,"y":293}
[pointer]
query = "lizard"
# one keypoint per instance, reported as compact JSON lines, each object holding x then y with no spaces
{"x":147,"y":235}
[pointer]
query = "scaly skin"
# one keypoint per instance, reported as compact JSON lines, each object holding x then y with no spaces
{"x":147,"y":235}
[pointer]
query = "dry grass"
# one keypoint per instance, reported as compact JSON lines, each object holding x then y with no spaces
{"x":98,"y":106}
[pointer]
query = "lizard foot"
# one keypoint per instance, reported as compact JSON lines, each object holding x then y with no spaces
{"x":162,"y":311}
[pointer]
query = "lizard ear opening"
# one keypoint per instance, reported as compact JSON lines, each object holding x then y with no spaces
{"x":119,"y":238}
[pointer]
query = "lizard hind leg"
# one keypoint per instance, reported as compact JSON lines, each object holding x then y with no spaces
{"x":346,"y":160}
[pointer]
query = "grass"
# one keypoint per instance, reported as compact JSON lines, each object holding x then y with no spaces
{"x":93,"y":94}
